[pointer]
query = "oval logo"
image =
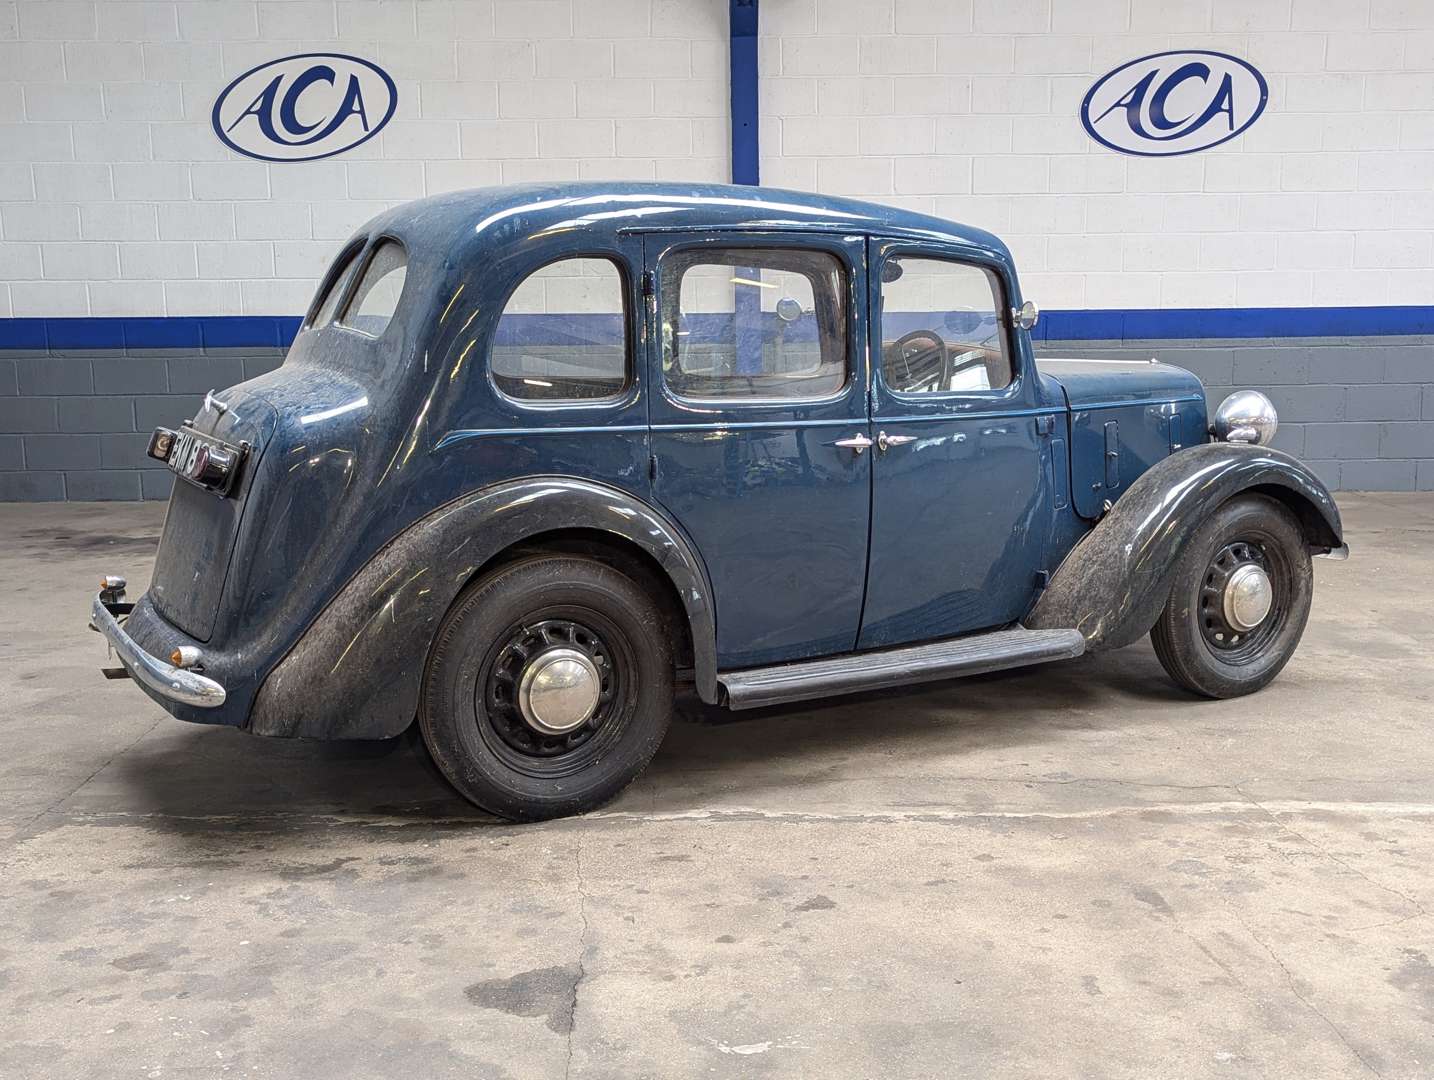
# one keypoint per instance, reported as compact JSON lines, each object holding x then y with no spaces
{"x":1174,"y":103}
{"x":303,"y":107}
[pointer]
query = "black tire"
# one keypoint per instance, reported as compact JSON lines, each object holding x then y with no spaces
{"x":470,"y":716}
{"x":1195,"y":643}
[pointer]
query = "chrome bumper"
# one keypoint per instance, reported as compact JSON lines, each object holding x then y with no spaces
{"x":166,"y":680}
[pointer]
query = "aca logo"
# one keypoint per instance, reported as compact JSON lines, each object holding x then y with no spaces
{"x":303,"y":107}
{"x":1174,"y":103}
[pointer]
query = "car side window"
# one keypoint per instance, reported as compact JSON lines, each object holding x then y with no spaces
{"x":765,"y":324}
{"x":376,"y":298}
{"x":562,"y":335}
{"x":942,"y":327}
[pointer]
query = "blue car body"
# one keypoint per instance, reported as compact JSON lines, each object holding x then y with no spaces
{"x":383,"y":473}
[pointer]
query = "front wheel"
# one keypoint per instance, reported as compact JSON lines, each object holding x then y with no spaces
{"x":1239,"y":600}
{"x":549,"y":688}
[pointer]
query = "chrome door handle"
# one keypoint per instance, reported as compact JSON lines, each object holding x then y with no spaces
{"x":854,"y":442}
{"x":885,"y":441}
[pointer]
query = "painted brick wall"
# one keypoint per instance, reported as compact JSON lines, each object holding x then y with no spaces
{"x":116,"y":198}
{"x":970,"y":109}
{"x":74,"y":425}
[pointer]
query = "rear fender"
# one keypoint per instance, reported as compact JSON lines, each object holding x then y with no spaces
{"x":357,"y":672}
{"x":1115,"y":582}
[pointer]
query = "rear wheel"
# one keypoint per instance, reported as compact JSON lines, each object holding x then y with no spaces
{"x":1241,"y":596}
{"x":549,"y":688}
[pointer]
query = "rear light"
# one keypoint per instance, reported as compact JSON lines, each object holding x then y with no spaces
{"x":160,"y":444}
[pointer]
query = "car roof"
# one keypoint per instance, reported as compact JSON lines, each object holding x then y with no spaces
{"x":515,"y":213}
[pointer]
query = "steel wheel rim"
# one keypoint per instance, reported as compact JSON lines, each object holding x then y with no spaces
{"x":1228,"y":643}
{"x":499,"y":715}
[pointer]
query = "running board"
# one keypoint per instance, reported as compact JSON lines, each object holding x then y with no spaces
{"x":852,"y":673}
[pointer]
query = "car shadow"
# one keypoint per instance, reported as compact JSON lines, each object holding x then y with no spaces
{"x":200,"y":781}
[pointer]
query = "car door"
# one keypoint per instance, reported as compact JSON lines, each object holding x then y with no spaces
{"x":960,"y":500}
{"x":759,"y":430}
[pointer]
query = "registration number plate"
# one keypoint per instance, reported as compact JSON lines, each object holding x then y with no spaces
{"x":210,"y":463}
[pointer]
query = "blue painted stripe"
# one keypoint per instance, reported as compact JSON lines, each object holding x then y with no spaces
{"x":150,"y":332}
{"x":1140,"y":324}
{"x":742,"y":31}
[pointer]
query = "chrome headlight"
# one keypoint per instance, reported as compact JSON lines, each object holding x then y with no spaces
{"x":1246,"y":416}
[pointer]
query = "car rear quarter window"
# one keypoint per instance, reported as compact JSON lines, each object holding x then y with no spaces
{"x":376,"y":298}
{"x":761,"y":324}
{"x":562,"y":335}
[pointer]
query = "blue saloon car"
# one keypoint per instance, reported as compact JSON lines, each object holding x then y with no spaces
{"x":539,"y":455}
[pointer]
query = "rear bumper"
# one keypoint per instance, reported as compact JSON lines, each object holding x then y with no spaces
{"x":163,"y":680}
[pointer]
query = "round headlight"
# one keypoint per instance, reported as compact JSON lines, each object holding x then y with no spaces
{"x":1246,"y":416}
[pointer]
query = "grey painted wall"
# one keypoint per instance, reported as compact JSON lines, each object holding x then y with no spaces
{"x":74,"y":425}
{"x":1359,"y":411}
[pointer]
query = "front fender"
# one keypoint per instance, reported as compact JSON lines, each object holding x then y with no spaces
{"x":1114,"y":583}
{"x":358,"y":670}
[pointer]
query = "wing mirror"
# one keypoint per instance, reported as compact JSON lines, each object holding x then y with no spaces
{"x":789,"y":309}
{"x":1026,"y":316}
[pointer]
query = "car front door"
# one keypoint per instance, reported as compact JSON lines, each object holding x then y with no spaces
{"x":960,"y":506}
{"x":759,"y":430}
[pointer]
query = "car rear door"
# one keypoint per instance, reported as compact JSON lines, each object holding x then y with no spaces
{"x":758,"y":430}
{"x":960,"y":499}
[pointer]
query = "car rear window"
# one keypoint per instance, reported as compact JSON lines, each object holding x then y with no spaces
{"x":376,"y":298}
{"x":338,"y":282}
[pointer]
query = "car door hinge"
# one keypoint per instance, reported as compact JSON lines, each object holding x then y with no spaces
{"x":1045,"y":424}
{"x":649,"y":283}
{"x":652,"y":467}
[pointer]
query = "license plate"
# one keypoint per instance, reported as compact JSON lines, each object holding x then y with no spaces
{"x":210,"y":463}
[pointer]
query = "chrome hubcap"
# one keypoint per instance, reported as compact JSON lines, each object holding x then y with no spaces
{"x":1248,"y":597}
{"x":558,"y":691}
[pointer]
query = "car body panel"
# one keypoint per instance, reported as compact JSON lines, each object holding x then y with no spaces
{"x":778,"y":510}
{"x":1125,"y":415}
{"x":960,"y":514}
{"x":361,"y":648}
{"x":1115,"y":581}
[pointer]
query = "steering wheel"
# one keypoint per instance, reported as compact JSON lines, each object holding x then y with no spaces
{"x":906,"y":351}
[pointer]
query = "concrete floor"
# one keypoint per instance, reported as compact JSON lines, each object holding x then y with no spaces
{"x":1068,"y":871}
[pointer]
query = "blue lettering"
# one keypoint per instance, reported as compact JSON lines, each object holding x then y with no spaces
{"x":1158,"y":118}
{"x":288,"y":115}
{"x":263,"y":106}
{"x":1133,"y":102}
{"x":262,"y":109}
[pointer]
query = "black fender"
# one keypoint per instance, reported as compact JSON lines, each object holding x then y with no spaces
{"x":1114,"y":583}
{"x":357,"y":671}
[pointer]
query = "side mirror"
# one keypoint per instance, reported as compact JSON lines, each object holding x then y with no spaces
{"x":1026,"y":316}
{"x":788,"y":309}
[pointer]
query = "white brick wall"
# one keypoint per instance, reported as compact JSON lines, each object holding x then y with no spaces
{"x":970,"y":109}
{"x":116,"y":198}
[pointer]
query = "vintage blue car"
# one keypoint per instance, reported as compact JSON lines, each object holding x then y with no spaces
{"x":541,"y":454}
